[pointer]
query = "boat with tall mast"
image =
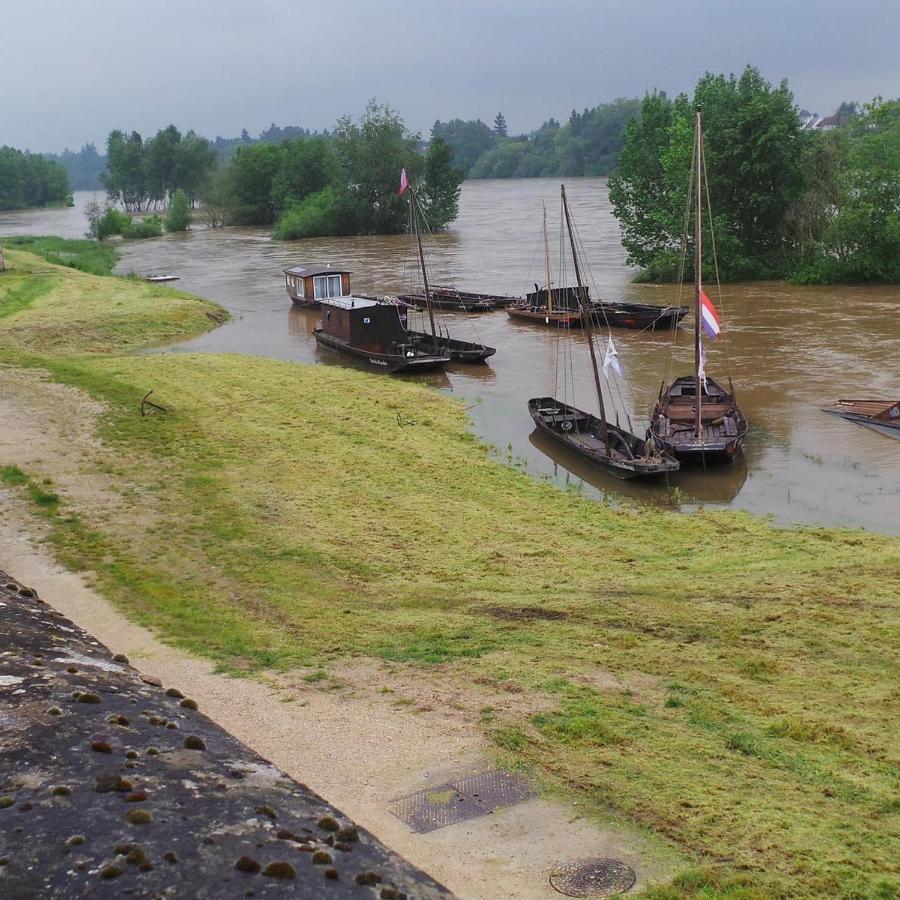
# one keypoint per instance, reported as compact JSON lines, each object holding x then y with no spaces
{"x":695,"y":417}
{"x":437,"y":341}
{"x":611,"y":447}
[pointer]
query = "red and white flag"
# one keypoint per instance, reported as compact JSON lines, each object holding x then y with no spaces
{"x":404,"y":181}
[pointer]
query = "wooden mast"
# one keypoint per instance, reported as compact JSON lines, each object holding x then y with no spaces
{"x":414,"y":203}
{"x":586,"y":324}
{"x":547,"y":266}
{"x":698,"y":287}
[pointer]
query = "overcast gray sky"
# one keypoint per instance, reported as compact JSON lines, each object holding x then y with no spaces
{"x":71,"y":70}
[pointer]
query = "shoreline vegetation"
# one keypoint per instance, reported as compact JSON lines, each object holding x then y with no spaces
{"x":725,"y":684}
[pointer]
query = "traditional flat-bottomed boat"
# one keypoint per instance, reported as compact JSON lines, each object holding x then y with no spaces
{"x":449,"y":298}
{"x":628,"y":457}
{"x":371,"y":330}
{"x":610,"y":447}
{"x":694,"y":417}
{"x":882,"y":416}
{"x":674,"y":419}
{"x":642,"y":316}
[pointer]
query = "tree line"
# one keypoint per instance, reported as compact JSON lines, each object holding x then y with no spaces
{"x":29,"y":180}
{"x":345,"y":182}
{"x":811,"y":206}
{"x":587,"y":144}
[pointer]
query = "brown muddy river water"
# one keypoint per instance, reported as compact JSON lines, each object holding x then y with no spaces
{"x":791,"y":349}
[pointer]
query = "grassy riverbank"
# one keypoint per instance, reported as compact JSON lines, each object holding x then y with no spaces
{"x":725,"y":683}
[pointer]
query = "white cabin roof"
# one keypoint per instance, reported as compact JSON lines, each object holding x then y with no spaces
{"x":349,"y":302}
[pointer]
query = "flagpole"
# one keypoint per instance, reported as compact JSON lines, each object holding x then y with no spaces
{"x":698,"y":289}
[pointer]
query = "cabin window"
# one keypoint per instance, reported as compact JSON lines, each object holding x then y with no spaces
{"x":327,"y":286}
{"x":367,"y":321}
{"x":298,"y":287}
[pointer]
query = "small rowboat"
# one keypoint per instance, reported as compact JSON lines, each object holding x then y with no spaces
{"x":882,"y":416}
{"x":160,"y":279}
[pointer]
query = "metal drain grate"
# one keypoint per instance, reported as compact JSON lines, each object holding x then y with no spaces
{"x":436,"y":808}
{"x":466,"y":798}
{"x":495,"y":789}
{"x":593,"y":878}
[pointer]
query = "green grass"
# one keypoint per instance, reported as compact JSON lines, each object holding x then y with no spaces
{"x":88,"y":256}
{"x":726,"y":684}
{"x":53,"y":310}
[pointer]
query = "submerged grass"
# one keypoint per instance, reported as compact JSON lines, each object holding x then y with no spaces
{"x":728,"y":684}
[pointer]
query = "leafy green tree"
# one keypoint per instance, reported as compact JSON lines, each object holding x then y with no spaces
{"x":253,"y":172}
{"x":372,"y":152}
{"x":179,"y":215}
{"x":29,"y":180}
{"x":306,"y":167}
{"x":754,"y":150}
{"x":125,"y":177}
{"x":217,"y":198}
{"x":500,"y":127}
{"x":317,"y":214}
{"x":195,"y":160}
{"x":159,"y":158}
{"x":440,"y":192}
{"x":468,"y":140}
{"x":856,"y":233}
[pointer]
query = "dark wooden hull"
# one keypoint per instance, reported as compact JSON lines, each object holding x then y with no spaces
{"x":409,"y":359}
{"x":580,"y":432}
{"x":460,"y":351}
{"x":460,"y":300}
{"x":643,"y":316}
{"x":672,"y":422}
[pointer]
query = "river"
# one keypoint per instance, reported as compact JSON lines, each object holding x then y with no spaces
{"x":790,"y":350}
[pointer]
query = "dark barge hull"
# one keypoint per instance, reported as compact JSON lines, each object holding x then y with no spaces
{"x":643,"y":316}
{"x":460,"y":351}
{"x":461,"y":300}
{"x":580,"y":432}
{"x":388,"y":362}
{"x":672,"y":423}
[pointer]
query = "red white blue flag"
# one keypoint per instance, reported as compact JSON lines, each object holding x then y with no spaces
{"x":709,"y":318}
{"x":404,"y":181}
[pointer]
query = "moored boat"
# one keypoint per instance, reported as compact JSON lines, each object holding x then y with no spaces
{"x":612,"y":448}
{"x":447,"y":298}
{"x":695,"y":418}
{"x":460,"y":351}
{"x":372,"y":331}
{"x":628,"y":456}
{"x":882,"y":416}
{"x":160,"y":279}
{"x":643,"y":316}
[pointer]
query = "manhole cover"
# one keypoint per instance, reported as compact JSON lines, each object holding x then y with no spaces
{"x":593,"y":878}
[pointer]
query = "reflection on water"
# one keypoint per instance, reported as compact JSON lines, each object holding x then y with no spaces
{"x":791,"y":349}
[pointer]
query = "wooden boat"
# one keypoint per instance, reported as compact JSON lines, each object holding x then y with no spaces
{"x":437,"y":340}
{"x":161,"y":279}
{"x":448,"y":298}
{"x":460,"y":351}
{"x":882,"y":416}
{"x":628,"y":457}
{"x":559,"y":307}
{"x":610,"y":447}
{"x":643,"y":316}
{"x":310,"y":283}
{"x":695,"y":417}
{"x":372,"y":331}
{"x":673,"y":422}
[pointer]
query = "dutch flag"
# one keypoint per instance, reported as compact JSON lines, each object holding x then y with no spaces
{"x":709,"y":318}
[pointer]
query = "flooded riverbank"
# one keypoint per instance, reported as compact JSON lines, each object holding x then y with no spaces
{"x":791,"y":350}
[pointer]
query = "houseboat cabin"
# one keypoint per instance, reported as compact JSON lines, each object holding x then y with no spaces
{"x":373,"y":331}
{"x":309,"y":284}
